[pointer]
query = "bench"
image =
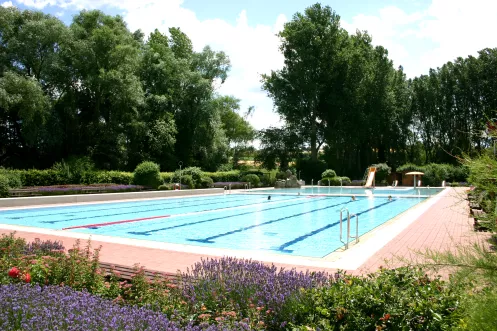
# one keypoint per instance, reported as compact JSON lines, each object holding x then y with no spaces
{"x":127,"y":273}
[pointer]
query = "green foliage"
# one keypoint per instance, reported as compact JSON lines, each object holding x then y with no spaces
{"x":187,"y":180}
{"x":165,"y":187}
{"x":167,"y":177}
{"x":253,"y":179}
{"x":333,"y":181}
{"x":410,"y":167}
{"x":4,"y":186}
{"x":345,"y":180}
{"x":147,"y":174}
{"x":194,"y":172}
{"x":329,"y":173}
{"x":48,"y":177}
{"x":435,"y":173}
{"x":206,"y":182}
{"x":13,"y":177}
{"x":402,"y":299}
{"x":311,"y":169}
{"x":114,"y":177}
{"x":225,"y":167}
{"x":224,"y":176}
{"x":278,"y":145}
{"x":382,"y":172}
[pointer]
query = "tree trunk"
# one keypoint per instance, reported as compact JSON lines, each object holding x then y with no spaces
{"x":314,"y":150}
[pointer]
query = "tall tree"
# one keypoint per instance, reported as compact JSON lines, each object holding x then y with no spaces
{"x":308,"y":86}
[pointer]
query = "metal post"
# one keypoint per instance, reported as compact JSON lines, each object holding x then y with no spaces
{"x":180,"y":164}
{"x":348,"y":230}
{"x":225,"y":188}
{"x":230,"y":187}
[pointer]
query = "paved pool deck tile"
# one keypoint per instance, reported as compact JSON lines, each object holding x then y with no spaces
{"x":441,"y":224}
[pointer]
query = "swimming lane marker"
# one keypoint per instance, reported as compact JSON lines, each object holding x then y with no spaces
{"x":112,"y":223}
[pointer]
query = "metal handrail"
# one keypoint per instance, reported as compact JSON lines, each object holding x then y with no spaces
{"x":356,"y":237}
{"x":225,"y":188}
{"x":246,"y":186}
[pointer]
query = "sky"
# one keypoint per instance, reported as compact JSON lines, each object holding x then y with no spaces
{"x":419,"y":34}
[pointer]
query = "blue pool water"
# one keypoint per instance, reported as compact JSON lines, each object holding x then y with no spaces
{"x":286,"y":224}
{"x":378,"y":191}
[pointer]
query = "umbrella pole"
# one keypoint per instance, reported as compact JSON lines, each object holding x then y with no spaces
{"x":414,"y":181}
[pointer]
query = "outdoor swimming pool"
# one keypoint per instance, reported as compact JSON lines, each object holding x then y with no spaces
{"x":297,"y":225}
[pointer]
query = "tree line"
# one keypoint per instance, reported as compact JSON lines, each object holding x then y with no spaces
{"x":95,"y":89}
{"x":340,"y":94}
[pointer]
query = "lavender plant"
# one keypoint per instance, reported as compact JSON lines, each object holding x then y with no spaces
{"x":244,"y":286}
{"x":27,"y":308}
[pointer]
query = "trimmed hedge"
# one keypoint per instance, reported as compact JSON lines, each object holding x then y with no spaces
{"x":435,"y":173}
{"x":4,"y":186}
{"x":253,"y":179}
{"x":224,"y":176}
{"x":147,"y":173}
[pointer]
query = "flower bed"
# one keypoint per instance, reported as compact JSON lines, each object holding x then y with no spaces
{"x":215,"y":294}
{"x":74,"y":189}
{"x":234,"y":185}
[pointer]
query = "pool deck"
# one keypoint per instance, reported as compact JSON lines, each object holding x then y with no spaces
{"x":442,"y":224}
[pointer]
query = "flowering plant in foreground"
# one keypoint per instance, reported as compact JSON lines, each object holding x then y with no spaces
{"x":27,"y":308}
{"x":249,"y":288}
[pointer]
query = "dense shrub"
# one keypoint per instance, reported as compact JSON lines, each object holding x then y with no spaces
{"x":435,"y":174}
{"x":345,"y":180}
{"x":333,"y":181}
{"x":206,"y":182}
{"x":36,"y":177}
{"x":225,"y":167}
{"x":13,"y":177}
{"x":329,"y":173}
{"x":147,"y":174}
{"x":72,"y":170}
{"x":410,"y":167}
{"x":402,"y":299}
{"x":227,"y":176}
{"x":165,"y":187}
{"x":253,"y":179}
{"x":382,"y":172}
{"x":4,"y":186}
{"x":195,"y":174}
{"x":188,"y":181}
{"x":234,"y":185}
{"x":167,"y":177}
{"x":281,"y":175}
{"x":311,"y":169}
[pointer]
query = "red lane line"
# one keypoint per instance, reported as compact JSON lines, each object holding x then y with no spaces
{"x":112,"y":223}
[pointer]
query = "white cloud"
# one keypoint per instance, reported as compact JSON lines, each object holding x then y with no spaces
{"x":426,"y":39}
{"x":7,"y":4}
{"x":460,"y":28}
{"x":38,"y":4}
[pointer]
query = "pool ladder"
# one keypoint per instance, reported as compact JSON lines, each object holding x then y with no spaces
{"x":349,"y":216}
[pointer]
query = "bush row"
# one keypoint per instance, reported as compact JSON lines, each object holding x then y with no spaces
{"x":435,"y":174}
{"x":193,"y":177}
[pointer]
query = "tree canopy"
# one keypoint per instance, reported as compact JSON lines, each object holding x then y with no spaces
{"x":96,"y":89}
{"x":343,"y":95}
